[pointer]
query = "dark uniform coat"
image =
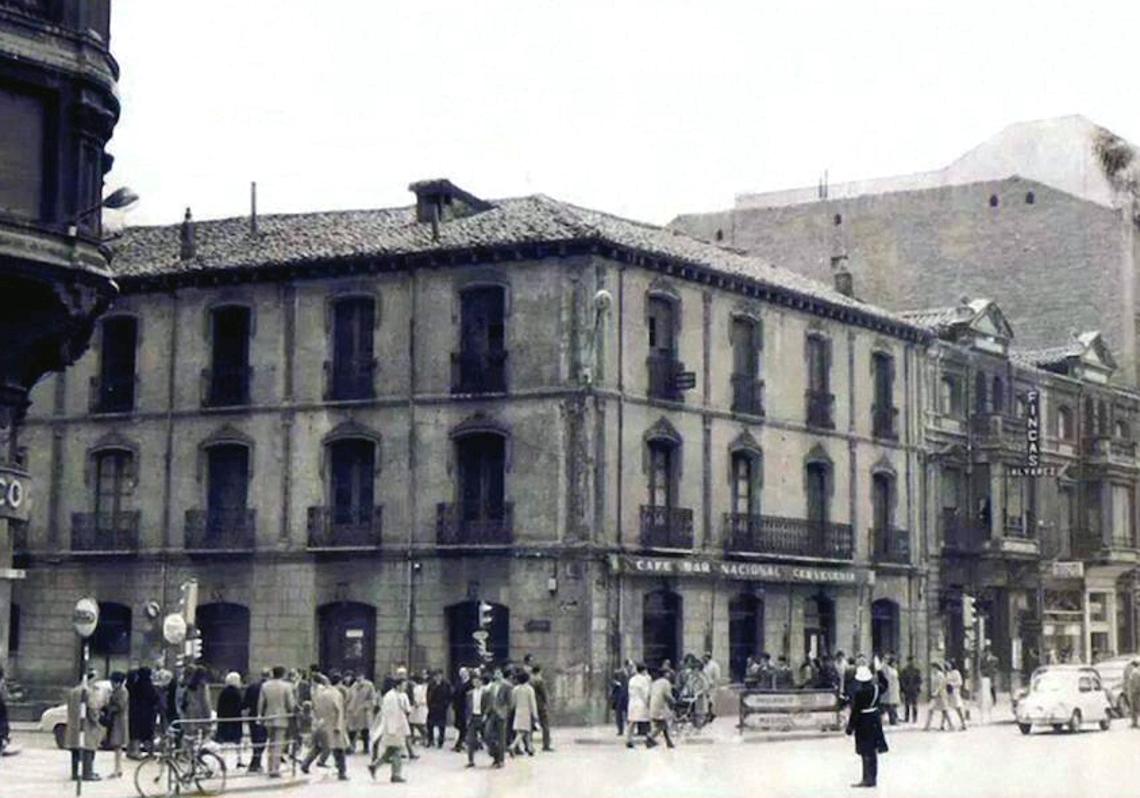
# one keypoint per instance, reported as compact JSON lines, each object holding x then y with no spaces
{"x":866,"y":721}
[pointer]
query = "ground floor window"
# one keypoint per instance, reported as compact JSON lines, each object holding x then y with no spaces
{"x":745,"y":632}
{"x":464,"y":647}
{"x":884,"y":627}
{"x":111,"y":642}
{"x":225,"y":637}
{"x":661,"y":628}
{"x":819,"y":627}
{"x":347,"y":637}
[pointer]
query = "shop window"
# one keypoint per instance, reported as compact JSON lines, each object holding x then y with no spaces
{"x":884,"y":627}
{"x":745,"y":632}
{"x":661,"y":628}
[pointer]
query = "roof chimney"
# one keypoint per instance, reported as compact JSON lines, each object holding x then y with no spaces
{"x":844,"y":282}
{"x":186,"y":236}
{"x":440,"y":201}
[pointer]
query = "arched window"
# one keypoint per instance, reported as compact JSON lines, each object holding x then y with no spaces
{"x":981,"y":406}
{"x":352,"y":474}
{"x":998,"y":397}
{"x":746,"y":483}
{"x":1065,"y":423}
{"x":347,"y":631}
{"x":745,"y":632}
{"x":1102,"y":418}
{"x":818,"y":490}
{"x":661,"y":628}
{"x":951,"y":396}
{"x":481,"y":514}
{"x":228,"y":522}
{"x":111,"y":642}
{"x":113,"y":523}
{"x":225,"y":637}
{"x":884,"y":627}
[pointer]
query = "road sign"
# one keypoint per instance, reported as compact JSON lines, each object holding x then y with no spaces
{"x":174,"y":629}
{"x":484,"y":614}
{"x":85,"y":617}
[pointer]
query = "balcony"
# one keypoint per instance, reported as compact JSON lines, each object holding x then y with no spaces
{"x":996,"y":429}
{"x":666,"y":527}
{"x":226,"y":386}
{"x":747,"y":394}
{"x":792,"y":537}
{"x":350,"y":378}
{"x":1113,"y":550}
{"x":496,"y":528}
{"x":890,"y":546}
{"x":884,"y":422}
{"x":360,"y":528}
{"x":663,"y":373}
{"x":820,"y":409}
{"x":105,"y":533}
{"x":220,"y":530}
{"x":479,"y":372}
{"x":1104,"y":450}
{"x":114,"y":394}
{"x":960,"y":534}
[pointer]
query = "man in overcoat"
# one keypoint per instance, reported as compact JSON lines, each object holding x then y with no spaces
{"x":637,"y":707}
{"x":92,"y":732}
{"x":391,"y":730}
{"x":866,"y":724}
{"x":276,"y":704}
{"x":329,"y":726}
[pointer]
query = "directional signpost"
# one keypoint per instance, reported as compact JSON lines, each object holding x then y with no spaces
{"x":85,"y":617}
{"x":482,"y":634}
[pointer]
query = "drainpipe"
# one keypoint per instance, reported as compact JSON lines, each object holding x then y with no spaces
{"x":413,"y":497}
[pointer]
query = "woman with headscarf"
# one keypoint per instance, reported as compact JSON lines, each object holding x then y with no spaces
{"x":866,"y":724}
{"x":230,"y":714}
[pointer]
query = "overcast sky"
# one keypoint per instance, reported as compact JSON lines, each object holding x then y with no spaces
{"x":644,"y":108}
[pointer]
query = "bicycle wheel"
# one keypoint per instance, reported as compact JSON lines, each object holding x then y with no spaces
{"x":210,"y":773}
{"x":150,"y":778}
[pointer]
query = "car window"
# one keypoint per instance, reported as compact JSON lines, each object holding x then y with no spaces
{"x":1049,"y":682}
{"x":1085,"y":684}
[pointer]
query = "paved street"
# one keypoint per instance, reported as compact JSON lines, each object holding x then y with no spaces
{"x":985,"y":762}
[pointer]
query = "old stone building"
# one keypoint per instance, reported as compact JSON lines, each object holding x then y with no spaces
{"x":1042,"y":217}
{"x":1030,"y":485}
{"x":353,"y":427}
{"x":58,"y":107}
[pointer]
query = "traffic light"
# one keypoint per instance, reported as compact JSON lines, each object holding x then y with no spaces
{"x":194,"y":648}
{"x":969,"y":615}
{"x":484,"y":615}
{"x":188,"y":601}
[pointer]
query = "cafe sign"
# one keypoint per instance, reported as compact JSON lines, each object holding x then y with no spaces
{"x":708,"y":568}
{"x":14,"y":485}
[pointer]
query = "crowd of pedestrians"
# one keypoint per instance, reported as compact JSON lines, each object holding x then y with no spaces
{"x":308,"y":716}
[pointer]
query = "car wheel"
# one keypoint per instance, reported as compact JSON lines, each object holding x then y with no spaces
{"x":1025,"y":727}
{"x":59,"y":732}
{"x":1122,"y":710}
{"x":1075,"y":721}
{"x":1058,"y":727}
{"x":1106,"y":723}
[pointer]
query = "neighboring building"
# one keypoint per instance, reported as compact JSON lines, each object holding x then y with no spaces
{"x":353,"y":427}
{"x":58,"y":106}
{"x":1048,"y":558}
{"x":1041,"y":216}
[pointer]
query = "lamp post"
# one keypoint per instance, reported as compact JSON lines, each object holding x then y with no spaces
{"x":85,"y":617}
{"x":118,"y":199}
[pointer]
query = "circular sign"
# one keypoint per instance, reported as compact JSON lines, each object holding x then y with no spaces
{"x":174,"y":629}
{"x":85,"y":616}
{"x":152,"y":609}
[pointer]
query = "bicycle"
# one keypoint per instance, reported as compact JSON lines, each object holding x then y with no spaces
{"x":177,"y":768}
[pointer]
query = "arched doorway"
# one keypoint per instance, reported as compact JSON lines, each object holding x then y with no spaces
{"x":347,"y":637}
{"x":463,"y":622}
{"x":745,"y":632}
{"x":819,"y":626}
{"x":661,"y":628}
{"x":225,"y":637}
{"x":111,"y":643}
{"x":884,"y":627}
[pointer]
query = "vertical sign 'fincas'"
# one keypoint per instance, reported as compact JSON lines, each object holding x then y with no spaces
{"x":1033,"y":429}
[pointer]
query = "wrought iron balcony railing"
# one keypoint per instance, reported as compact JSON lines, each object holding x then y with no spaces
{"x":820,"y":409}
{"x":663,"y":371}
{"x":793,"y":537}
{"x":747,"y":394}
{"x":114,"y":394}
{"x":890,"y":545}
{"x":105,"y":532}
{"x":350,"y":378}
{"x":884,"y":422}
{"x":491,"y":526}
{"x":226,"y":386}
{"x":479,"y":372}
{"x":220,"y":530}
{"x":666,"y":527}
{"x":339,"y":528}
{"x":960,"y":533}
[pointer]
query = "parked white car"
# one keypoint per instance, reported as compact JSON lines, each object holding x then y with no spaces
{"x":1065,"y":697}
{"x":1113,"y":673}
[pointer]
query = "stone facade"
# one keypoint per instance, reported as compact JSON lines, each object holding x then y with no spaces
{"x":581,"y":415}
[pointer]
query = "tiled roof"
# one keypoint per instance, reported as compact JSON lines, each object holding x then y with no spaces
{"x":941,"y":319}
{"x":294,"y":239}
{"x":1047,"y":356}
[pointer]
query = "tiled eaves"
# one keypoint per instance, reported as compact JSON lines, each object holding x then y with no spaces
{"x":677,"y":267}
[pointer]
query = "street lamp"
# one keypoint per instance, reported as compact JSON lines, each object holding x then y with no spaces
{"x":603,"y":301}
{"x":118,"y":199}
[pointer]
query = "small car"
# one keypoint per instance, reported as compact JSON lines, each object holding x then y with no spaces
{"x":1065,"y":697}
{"x":1113,"y":675}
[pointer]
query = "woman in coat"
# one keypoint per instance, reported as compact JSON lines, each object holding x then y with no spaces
{"x":142,"y":711}
{"x":637,"y":710}
{"x":117,"y":719}
{"x":954,"y":683}
{"x":866,"y":723}
{"x":525,"y":706}
{"x":229,"y":714}
{"x":937,"y":698}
